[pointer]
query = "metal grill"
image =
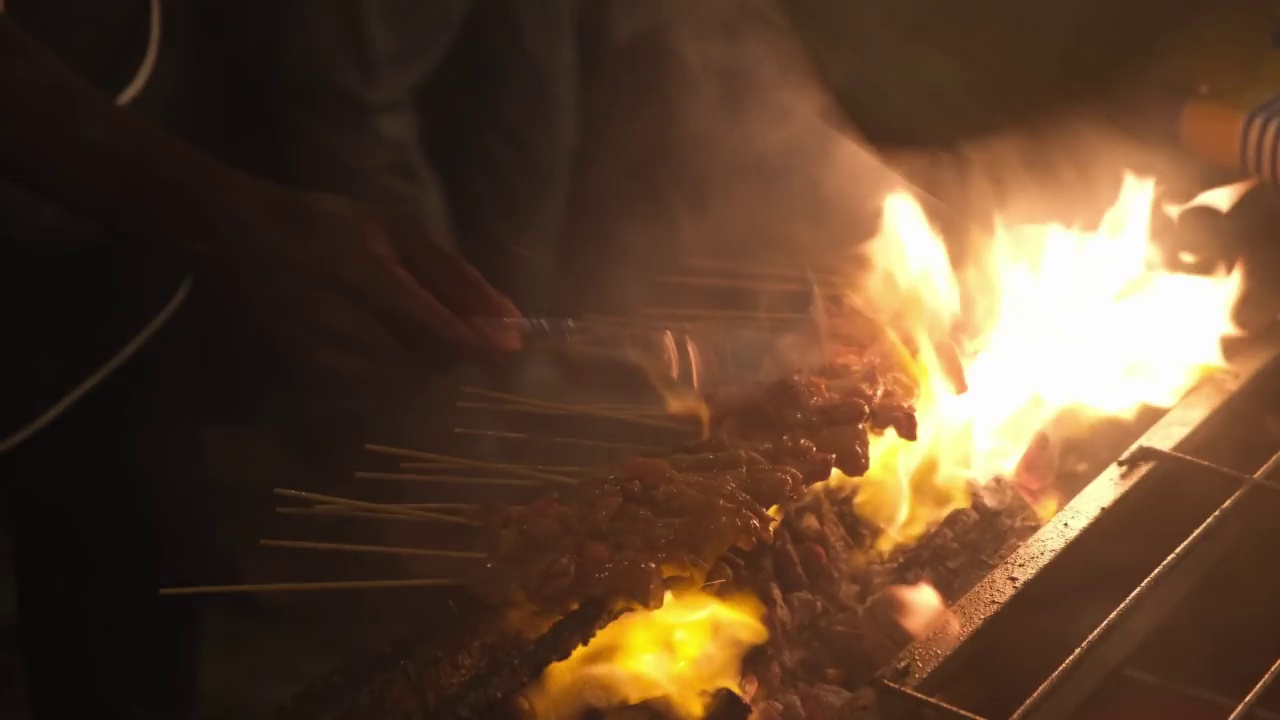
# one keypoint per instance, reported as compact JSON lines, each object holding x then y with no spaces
{"x":1131,"y":649}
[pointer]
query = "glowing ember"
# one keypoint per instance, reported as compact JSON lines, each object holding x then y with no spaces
{"x":682,"y":652}
{"x":919,"y":609}
{"x":1060,"y":326}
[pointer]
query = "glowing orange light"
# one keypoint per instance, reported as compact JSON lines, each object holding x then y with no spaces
{"x":680,"y":653}
{"x":1057,"y":319}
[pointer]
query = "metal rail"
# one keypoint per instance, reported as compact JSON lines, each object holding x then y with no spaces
{"x":1242,"y":710}
{"x":904,"y":681}
{"x":1191,"y":692}
{"x":937,"y":709}
{"x":918,"y":662}
{"x":1061,"y":695}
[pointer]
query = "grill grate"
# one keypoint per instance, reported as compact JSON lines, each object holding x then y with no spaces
{"x":1062,"y":694}
{"x":952,"y":684}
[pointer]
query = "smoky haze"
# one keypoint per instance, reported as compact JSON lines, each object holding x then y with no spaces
{"x":706,"y":133}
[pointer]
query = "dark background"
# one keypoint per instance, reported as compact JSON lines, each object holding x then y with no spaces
{"x":683,"y":129}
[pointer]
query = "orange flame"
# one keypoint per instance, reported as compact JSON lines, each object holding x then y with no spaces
{"x":1221,"y":198}
{"x":1057,"y":319}
{"x":680,"y":653}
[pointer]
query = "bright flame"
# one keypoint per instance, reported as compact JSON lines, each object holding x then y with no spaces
{"x":1055,"y":320}
{"x":919,"y":609}
{"x":681,"y":652}
{"x":1221,"y":198}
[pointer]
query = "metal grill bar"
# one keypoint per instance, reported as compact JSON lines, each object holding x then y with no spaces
{"x":1063,"y":692}
{"x":1144,"y":454}
{"x":1194,"y":693}
{"x":1242,"y":710}
{"x":938,"y":709}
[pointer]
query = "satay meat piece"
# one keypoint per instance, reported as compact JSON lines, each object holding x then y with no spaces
{"x":774,"y":485}
{"x":850,"y":445}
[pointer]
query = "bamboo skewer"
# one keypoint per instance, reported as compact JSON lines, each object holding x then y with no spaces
{"x":531,"y":402}
{"x":315,"y":513}
{"x":633,"y":447}
{"x":568,"y":409}
{"x":360,"y":504}
{"x":631,"y":323}
{"x":382,"y":549}
{"x":302,"y":586}
{"x":497,"y":467}
{"x":746,"y":268}
{"x":746,"y":284}
{"x":747,"y":315}
{"x":419,"y":506}
{"x":469,"y":463}
{"x":513,"y":482}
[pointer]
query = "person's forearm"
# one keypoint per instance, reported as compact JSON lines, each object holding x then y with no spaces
{"x":71,"y":144}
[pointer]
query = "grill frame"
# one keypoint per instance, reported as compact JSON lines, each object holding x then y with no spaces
{"x":906,"y":685}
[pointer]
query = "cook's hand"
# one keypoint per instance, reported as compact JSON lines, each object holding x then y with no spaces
{"x":348,"y":290}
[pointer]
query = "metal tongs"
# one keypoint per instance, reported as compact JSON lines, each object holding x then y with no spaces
{"x":698,"y":356}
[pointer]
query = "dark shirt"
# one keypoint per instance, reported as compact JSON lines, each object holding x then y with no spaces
{"x":463,"y":112}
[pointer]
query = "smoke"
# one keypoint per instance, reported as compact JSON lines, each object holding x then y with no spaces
{"x":708,"y":136}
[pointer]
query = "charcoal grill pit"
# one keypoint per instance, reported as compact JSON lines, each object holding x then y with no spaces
{"x":1070,"y":564}
{"x":1081,"y":601}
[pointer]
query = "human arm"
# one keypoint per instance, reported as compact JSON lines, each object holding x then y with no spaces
{"x":320,"y":270}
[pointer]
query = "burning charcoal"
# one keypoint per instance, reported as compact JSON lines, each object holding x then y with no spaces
{"x":792,"y":708}
{"x":876,"y":578}
{"x":779,"y":615}
{"x":824,"y":702}
{"x":771,"y":710}
{"x":807,"y":527}
{"x":727,"y":705}
{"x":850,"y":595}
{"x":836,"y":542}
{"x":861,"y":705}
{"x":804,"y":608}
{"x":786,"y":565}
{"x":843,"y":638}
{"x":813,"y":560}
{"x":761,"y":664}
{"x":749,"y":686}
{"x":960,"y":521}
{"x":901,"y":614}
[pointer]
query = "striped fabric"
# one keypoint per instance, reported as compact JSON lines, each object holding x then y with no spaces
{"x":1260,"y":141}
